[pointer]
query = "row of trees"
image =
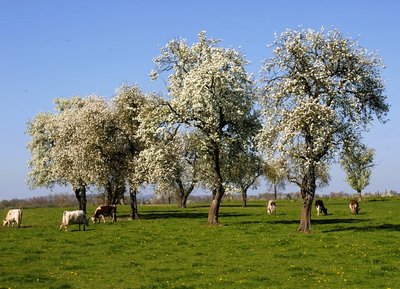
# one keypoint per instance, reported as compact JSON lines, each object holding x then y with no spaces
{"x":217,"y":128}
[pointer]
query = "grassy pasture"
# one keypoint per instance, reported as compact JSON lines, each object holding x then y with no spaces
{"x":174,"y":248}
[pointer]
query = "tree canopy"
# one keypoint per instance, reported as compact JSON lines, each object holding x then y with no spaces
{"x":321,"y":90}
{"x":212,"y":97}
{"x":357,"y":162}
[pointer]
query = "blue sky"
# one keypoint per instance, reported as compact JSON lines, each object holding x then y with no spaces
{"x":53,"y":49}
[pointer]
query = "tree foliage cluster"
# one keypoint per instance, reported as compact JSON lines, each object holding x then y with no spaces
{"x":217,"y":127}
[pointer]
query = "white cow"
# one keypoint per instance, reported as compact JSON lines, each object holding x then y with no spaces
{"x":13,"y":217}
{"x":271,"y":207}
{"x":74,"y":217}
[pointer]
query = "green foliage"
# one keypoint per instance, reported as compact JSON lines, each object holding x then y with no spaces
{"x":174,"y":248}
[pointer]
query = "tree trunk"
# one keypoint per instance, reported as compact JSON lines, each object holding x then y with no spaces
{"x":359,"y":196}
{"x":114,"y":192}
{"x":275,"y":192}
{"x":214,"y":209}
{"x":183,"y":194}
{"x":244,"y":198}
{"x":80,"y":194}
{"x":307,"y":190}
{"x":108,"y":197}
{"x":184,"y":201}
{"x":305,"y":216}
{"x":134,"y":209}
{"x":218,"y":190}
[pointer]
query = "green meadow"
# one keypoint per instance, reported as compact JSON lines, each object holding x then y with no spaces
{"x":174,"y":248}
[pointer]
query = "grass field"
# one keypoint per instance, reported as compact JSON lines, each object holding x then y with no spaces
{"x":174,"y":248}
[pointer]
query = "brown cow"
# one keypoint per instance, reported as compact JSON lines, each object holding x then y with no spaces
{"x":354,"y":207}
{"x":104,"y":211}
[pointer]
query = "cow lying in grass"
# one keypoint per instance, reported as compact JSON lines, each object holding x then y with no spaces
{"x":14,"y":216}
{"x":105,"y":211}
{"x":354,"y":207}
{"x":271,"y":207}
{"x":74,"y":217}
{"x":319,"y":205}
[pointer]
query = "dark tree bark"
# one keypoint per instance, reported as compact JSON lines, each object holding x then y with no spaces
{"x":359,"y":196}
{"x":183,"y":194}
{"x":114,"y":192}
{"x":244,"y":198}
{"x":134,"y":208}
{"x":184,"y":201}
{"x":80,"y":194}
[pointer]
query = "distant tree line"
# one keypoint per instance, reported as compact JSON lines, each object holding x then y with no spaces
{"x":67,"y":200}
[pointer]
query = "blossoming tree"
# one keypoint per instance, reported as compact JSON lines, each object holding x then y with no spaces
{"x":211,"y":96}
{"x":321,"y":90}
{"x":76,"y":146}
{"x":127,"y":106}
{"x":357,"y":162}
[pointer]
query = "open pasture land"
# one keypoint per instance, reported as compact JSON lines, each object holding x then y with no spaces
{"x":174,"y":248}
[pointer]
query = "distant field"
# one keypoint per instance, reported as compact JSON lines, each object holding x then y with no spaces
{"x":174,"y":248}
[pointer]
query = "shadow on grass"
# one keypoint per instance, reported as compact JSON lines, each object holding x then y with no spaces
{"x":320,"y":221}
{"x":384,"y":227}
{"x":167,"y":215}
{"x":20,"y":227}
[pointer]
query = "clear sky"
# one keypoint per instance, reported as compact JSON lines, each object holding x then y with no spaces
{"x":53,"y":49}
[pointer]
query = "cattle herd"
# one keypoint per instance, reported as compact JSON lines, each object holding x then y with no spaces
{"x":14,"y":216}
{"x":319,"y":206}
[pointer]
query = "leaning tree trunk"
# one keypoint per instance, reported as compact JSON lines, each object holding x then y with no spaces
{"x":215,"y":204}
{"x":214,"y":209}
{"x":134,"y":209}
{"x":80,"y":194}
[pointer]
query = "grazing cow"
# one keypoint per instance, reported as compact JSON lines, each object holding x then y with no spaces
{"x":104,"y":211}
{"x":74,"y":217}
{"x":13,"y":217}
{"x":354,"y":207}
{"x":271,"y":207}
{"x":319,"y":205}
